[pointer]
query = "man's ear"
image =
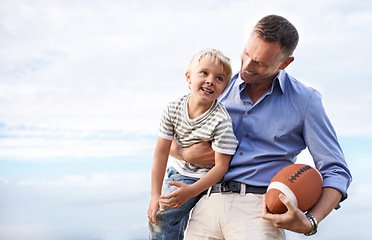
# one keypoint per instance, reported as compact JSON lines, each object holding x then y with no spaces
{"x":286,"y":63}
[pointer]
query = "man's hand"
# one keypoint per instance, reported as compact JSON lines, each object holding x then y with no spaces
{"x":294,"y":219}
{"x":200,"y":154}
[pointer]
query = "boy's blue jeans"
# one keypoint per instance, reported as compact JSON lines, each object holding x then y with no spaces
{"x":173,"y":222}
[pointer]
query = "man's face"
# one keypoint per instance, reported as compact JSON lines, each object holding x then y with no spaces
{"x":261,"y":61}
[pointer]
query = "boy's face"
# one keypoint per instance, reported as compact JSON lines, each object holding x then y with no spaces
{"x":207,"y":81}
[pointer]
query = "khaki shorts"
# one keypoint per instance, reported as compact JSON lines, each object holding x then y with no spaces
{"x":231,"y":216}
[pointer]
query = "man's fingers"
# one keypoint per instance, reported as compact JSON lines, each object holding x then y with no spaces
{"x":285,"y":200}
{"x":264,"y":207}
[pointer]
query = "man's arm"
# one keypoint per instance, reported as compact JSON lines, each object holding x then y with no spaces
{"x":200,"y":153}
{"x":323,"y":145}
{"x":295,"y":220}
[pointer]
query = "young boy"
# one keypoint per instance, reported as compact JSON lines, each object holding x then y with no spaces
{"x":194,"y":118}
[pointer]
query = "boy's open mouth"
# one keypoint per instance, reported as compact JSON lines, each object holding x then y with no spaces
{"x":206,"y":90}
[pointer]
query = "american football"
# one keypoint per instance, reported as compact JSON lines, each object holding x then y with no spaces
{"x":301,"y":183}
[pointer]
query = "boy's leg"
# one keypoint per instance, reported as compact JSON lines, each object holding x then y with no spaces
{"x":173,"y":222}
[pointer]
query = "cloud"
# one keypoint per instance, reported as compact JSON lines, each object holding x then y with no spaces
{"x":22,"y":143}
{"x":115,"y":64}
{"x":97,"y":206}
{"x":83,"y":85}
{"x":113,"y":206}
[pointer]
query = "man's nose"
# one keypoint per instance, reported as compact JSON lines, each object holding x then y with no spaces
{"x":247,"y":63}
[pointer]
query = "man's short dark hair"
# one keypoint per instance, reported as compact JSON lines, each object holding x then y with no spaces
{"x":273,"y":28}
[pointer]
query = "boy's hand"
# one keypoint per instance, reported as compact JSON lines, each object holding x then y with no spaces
{"x":154,"y":205}
{"x":178,"y":197}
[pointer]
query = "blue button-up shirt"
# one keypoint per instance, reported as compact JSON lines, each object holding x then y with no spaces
{"x":272,"y":131}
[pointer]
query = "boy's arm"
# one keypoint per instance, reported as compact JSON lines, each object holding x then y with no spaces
{"x":157,"y":176}
{"x":185,"y":191}
{"x":200,"y":154}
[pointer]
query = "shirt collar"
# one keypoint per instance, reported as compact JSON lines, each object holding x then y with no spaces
{"x":279,"y":80}
{"x":241,"y":84}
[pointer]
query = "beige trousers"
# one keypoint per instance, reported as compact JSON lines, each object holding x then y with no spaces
{"x":231,"y":216}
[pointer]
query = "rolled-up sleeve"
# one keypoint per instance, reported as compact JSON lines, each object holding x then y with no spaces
{"x":324,"y":147}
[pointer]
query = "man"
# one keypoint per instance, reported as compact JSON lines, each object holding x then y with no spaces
{"x":274,"y":118}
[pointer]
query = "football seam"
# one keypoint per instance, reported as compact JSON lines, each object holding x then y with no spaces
{"x":299,"y":173}
{"x":285,"y":190}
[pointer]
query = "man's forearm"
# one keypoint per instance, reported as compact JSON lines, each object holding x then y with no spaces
{"x":327,"y":202}
{"x":200,"y":154}
{"x":175,"y":151}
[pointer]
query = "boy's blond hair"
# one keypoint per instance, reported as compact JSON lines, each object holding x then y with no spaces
{"x":215,"y":56}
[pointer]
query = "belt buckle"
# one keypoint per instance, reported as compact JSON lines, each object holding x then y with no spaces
{"x":216,"y":188}
{"x":231,"y":187}
{"x":224,"y":187}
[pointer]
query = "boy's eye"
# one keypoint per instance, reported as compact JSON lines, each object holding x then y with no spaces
{"x":220,"y":79}
{"x":204,"y":73}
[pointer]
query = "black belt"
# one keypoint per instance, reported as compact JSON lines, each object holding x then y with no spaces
{"x":235,"y":187}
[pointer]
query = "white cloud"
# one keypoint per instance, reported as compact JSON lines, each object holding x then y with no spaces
{"x":98,"y":206}
{"x":106,"y":206}
{"x":115,"y":64}
{"x":23,"y":143}
{"x":71,"y":70}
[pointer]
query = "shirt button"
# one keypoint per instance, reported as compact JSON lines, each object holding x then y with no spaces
{"x":249,"y":112}
{"x":241,"y":153}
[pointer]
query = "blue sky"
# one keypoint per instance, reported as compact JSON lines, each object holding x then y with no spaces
{"x":82,"y":86}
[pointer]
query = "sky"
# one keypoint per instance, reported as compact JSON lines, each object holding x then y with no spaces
{"x":83,"y":84}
